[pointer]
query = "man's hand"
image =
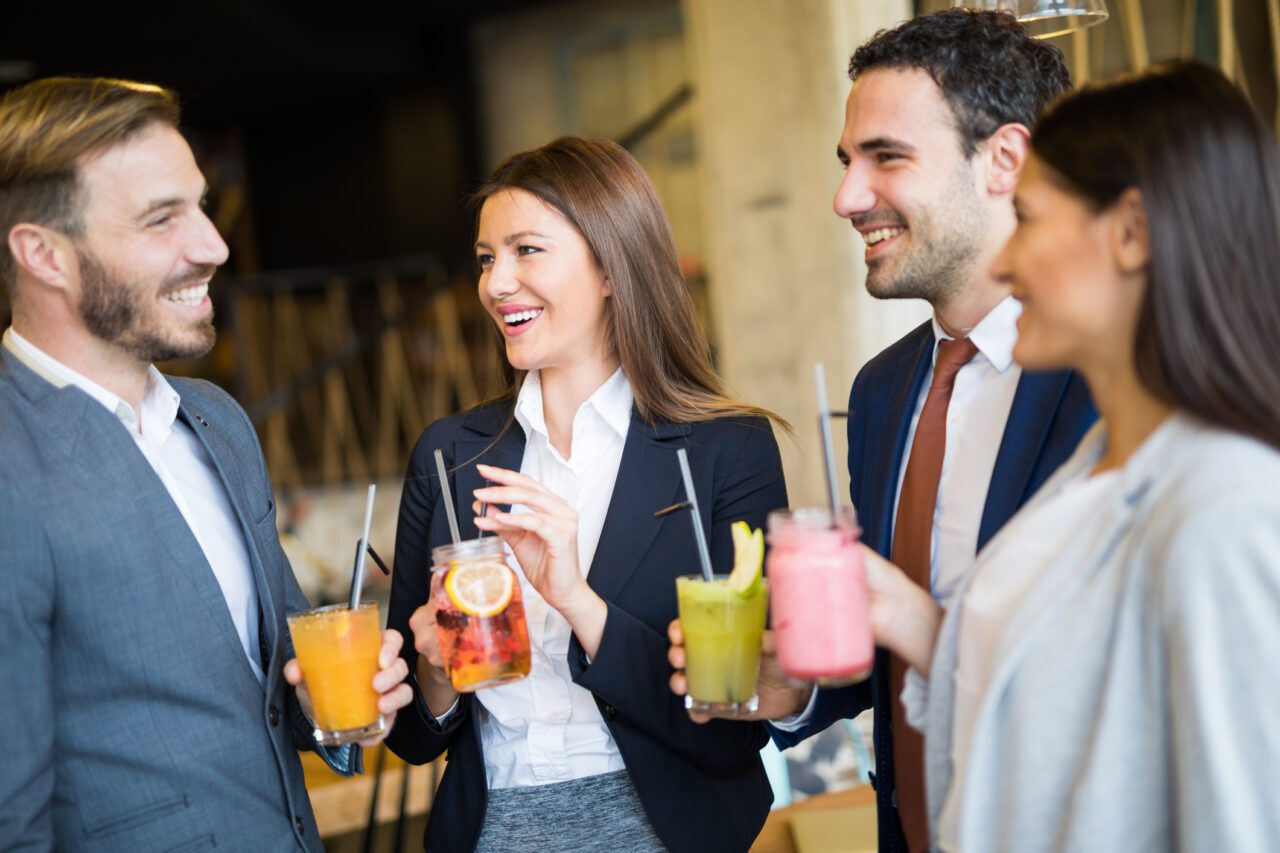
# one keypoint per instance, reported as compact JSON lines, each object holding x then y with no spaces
{"x":780,"y":697}
{"x":393,"y":693}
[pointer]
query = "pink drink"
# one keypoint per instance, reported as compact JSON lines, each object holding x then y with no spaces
{"x":818,"y":598}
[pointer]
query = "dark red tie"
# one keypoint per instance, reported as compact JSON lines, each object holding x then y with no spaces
{"x":912,"y":546}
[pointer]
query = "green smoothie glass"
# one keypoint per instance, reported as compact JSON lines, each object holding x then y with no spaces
{"x":722,"y":630}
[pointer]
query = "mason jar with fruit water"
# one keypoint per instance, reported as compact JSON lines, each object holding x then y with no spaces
{"x":479,"y":614}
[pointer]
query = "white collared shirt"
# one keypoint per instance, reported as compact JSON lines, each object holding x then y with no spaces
{"x":187,"y":471}
{"x":976,"y":418}
{"x":546,"y":728}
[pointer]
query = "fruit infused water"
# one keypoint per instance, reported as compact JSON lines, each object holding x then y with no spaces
{"x":337,"y":649}
{"x":819,"y":596}
{"x":479,"y":615}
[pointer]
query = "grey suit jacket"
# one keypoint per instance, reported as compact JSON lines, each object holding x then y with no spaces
{"x":132,"y":718}
{"x":1134,"y":699}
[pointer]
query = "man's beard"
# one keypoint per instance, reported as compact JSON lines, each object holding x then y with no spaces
{"x":120,"y":314}
{"x":943,"y":245}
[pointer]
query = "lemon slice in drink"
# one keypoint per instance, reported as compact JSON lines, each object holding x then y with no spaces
{"x":480,"y":590}
{"x":748,"y":559}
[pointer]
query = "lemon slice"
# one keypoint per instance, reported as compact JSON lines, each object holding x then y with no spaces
{"x":480,"y":590}
{"x":748,"y":559}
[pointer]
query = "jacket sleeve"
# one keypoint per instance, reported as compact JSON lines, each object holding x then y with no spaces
{"x":417,"y":737}
{"x":27,"y":604}
{"x":630,"y":670}
{"x":840,"y":703}
{"x":832,"y":704}
{"x":1219,"y":576}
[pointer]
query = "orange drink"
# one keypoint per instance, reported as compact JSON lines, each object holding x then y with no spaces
{"x":337,"y":649}
{"x":479,"y":615}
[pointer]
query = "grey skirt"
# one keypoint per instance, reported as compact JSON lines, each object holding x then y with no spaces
{"x":594,"y":813}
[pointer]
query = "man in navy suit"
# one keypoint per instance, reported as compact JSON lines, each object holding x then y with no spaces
{"x":935,"y":136}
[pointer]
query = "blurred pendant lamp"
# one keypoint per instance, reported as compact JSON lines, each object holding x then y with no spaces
{"x":1046,"y":18}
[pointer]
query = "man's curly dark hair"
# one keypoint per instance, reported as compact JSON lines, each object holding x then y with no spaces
{"x":989,"y":69}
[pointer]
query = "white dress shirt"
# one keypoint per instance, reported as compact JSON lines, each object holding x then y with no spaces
{"x":976,"y":418}
{"x":546,"y":728}
{"x":187,"y":471}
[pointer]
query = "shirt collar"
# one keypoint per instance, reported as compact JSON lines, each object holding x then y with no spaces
{"x":612,"y":401}
{"x":995,"y":335}
{"x":159,"y":401}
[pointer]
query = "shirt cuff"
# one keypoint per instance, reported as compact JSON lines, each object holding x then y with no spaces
{"x":915,"y":698}
{"x":420,"y":702}
{"x":440,"y":720}
{"x":796,"y":722}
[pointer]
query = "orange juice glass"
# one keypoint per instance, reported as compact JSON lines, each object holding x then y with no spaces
{"x":337,"y":649}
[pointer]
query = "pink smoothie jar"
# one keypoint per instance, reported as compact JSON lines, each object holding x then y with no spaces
{"x":818,"y":596}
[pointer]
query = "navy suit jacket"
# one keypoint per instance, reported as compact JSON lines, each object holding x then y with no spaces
{"x":703,"y":787}
{"x":1050,"y":414}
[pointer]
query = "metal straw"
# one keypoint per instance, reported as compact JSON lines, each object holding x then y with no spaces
{"x":447,"y":495}
{"x":824,"y":428}
{"x":357,"y":572}
{"x":698,"y":533}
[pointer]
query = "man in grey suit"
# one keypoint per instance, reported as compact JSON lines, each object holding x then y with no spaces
{"x":149,"y":700}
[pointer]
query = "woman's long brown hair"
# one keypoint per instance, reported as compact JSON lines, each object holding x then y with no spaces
{"x":1208,"y":170}
{"x":600,"y":189}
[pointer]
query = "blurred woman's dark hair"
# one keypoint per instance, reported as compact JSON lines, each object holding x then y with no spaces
{"x":1208,"y":170}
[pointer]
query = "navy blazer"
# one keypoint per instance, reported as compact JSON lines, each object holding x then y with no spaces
{"x":703,"y":787}
{"x":1050,"y":414}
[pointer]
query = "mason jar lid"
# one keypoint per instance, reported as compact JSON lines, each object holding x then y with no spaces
{"x":468,"y":549}
{"x":811,"y":518}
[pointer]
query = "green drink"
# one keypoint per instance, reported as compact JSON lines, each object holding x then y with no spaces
{"x":722,"y":631}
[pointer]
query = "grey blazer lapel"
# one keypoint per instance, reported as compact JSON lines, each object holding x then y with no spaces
{"x":228,"y":466}
{"x":113,"y":466}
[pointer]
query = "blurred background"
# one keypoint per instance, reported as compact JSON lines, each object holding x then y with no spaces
{"x":341,"y":140}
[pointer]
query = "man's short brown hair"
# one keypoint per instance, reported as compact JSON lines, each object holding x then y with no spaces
{"x":47,"y":128}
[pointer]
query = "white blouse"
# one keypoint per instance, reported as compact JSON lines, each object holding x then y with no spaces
{"x":546,"y":728}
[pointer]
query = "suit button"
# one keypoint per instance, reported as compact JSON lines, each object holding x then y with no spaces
{"x":297,"y":821}
{"x":273,"y":715}
{"x":610,"y":711}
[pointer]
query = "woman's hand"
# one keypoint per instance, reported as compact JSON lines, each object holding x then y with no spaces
{"x":904,"y":617}
{"x":433,"y":678}
{"x":545,"y":543}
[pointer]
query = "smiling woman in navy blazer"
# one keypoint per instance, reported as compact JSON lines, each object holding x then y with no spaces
{"x":609,"y":376}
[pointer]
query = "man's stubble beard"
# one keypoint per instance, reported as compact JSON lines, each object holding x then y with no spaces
{"x":944,"y":247}
{"x":115,"y":312}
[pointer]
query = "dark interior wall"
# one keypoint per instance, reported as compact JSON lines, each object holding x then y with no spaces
{"x":355,"y":127}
